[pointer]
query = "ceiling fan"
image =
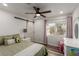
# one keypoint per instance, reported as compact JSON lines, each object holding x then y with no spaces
{"x":38,"y":13}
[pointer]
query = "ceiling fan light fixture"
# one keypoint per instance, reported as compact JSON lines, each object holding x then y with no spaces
{"x":37,"y":14}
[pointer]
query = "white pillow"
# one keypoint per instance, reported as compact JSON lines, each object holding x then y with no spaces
{"x":9,"y":41}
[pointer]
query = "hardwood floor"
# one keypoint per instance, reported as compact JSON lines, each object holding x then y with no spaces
{"x":53,"y":53}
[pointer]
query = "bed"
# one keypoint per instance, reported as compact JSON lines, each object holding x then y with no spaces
{"x":23,"y":48}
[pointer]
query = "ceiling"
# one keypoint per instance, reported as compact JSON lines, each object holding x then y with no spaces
{"x":21,"y":8}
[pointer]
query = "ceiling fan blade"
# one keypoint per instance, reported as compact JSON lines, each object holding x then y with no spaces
{"x":36,"y":9}
{"x":46,"y":11}
{"x":30,"y":13}
{"x":43,"y":16}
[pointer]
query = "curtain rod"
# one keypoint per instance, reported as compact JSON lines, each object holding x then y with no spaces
{"x":23,"y":19}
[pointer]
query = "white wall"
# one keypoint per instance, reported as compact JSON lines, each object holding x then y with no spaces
{"x":10,"y":25}
{"x":75,"y":15}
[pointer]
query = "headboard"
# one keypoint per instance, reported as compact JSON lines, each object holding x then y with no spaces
{"x":8,"y":36}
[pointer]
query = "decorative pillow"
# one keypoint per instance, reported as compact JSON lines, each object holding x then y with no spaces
{"x":17,"y":40}
{"x":9,"y":41}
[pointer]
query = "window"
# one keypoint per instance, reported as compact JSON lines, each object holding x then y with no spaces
{"x":56,"y":28}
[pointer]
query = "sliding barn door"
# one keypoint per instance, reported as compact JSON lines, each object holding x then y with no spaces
{"x":39,"y":31}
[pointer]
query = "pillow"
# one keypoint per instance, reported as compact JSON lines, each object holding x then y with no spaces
{"x":9,"y":41}
{"x":17,"y":40}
